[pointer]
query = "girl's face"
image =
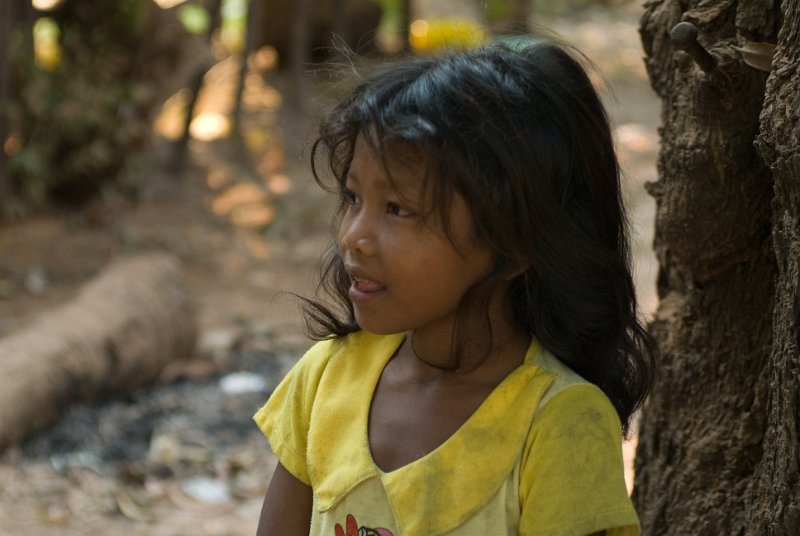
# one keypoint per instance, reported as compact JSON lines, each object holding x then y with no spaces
{"x":406,"y":274}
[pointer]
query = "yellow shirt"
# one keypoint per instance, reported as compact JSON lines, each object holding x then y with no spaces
{"x":540,"y":456}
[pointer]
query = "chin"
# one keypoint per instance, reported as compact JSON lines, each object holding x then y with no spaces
{"x":378,"y":328}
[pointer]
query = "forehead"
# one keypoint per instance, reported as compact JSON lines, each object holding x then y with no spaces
{"x":395,"y":164}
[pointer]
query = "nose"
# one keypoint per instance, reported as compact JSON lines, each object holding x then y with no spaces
{"x":357,"y":234}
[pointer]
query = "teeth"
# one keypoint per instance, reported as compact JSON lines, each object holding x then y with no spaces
{"x":366,"y":285}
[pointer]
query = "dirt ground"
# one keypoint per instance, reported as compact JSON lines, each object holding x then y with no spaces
{"x":247,"y":223}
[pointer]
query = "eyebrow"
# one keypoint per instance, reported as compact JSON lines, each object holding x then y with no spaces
{"x":382,"y":185}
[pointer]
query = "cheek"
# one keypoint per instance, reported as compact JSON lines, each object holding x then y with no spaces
{"x":340,"y":229}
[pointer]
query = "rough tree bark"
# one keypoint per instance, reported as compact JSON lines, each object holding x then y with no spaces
{"x":116,"y":336}
{"x":718,"y":444}
{"x":773,"y":499}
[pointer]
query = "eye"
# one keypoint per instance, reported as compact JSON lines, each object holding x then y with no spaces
{"x":349,"y":197}
{"x":396,"y":210}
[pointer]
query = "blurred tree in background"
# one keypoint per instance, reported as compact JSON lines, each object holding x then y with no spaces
{"x":81,"y":80}
{"x":354,"y":23}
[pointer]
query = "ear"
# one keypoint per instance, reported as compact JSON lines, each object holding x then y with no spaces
{"x":512,"y":275}
{"x":509,"y":269}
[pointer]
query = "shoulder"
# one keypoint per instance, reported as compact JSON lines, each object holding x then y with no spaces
{"x":286,"y":417}
{"x":571,"y":474}
{"x":296,"y":392}
{"x":567,"y":384}
{"x":335,"y":361}
{"x":572,"y":397}
{"x":573,"y":410}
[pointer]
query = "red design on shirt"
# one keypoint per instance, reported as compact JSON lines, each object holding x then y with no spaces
{"x":354,"y":530}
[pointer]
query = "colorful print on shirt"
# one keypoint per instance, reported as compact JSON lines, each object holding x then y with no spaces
{"x":354,"y":530}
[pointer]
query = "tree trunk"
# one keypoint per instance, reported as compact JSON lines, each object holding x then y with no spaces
{"x":773,"y":501}
{"x":15,"y":41}
{"x":406,"y":16}
{"x":300,"y":54}
{"x":116,"y":336}
{"x":7,"y":19}
{"x":178,"y":158}
{"x":720,"y":430}
{"x":354,"y":22}
{"x":517,"y":21}
{"x":251,"y":36}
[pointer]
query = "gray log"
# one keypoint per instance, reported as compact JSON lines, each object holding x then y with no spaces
{"x":115,"y":336}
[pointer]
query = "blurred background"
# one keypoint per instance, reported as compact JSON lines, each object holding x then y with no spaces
{"x":129,"y":127}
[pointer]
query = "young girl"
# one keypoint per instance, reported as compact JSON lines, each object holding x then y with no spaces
{"x":483,"y":353}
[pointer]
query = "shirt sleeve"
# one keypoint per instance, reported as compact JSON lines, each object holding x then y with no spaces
{"x":285,"y":418}
{"x":572,"y":477}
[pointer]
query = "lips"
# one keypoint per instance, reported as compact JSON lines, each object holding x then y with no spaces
{"x":363,"y":289}
{"x":366,"y":285}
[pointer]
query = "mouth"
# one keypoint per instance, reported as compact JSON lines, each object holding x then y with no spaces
{"x":365,"y":285}
{"x":362,"y":288}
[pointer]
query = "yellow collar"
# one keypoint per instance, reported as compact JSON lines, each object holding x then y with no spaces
{"x":441,"y":490}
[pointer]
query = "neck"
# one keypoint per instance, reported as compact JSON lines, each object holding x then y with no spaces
{"x":465,"y":358}
{"x":481,"y":341}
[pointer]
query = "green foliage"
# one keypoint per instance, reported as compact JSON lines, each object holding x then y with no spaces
{"x":80,"y":116}
{"x":234,"y":24}
{"x":78,"y":128}
{"x":496,"y":10}
{"x":195,"y":18}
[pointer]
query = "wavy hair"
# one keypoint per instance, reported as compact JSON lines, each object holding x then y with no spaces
{"x":521,"y":134}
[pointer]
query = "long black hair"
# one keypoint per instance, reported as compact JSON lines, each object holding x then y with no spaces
{"x":521,"y":134}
